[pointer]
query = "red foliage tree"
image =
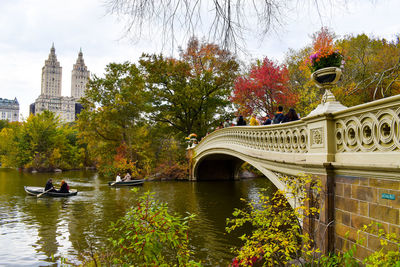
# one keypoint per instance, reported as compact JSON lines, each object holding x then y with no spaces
{"x":263,"y":89}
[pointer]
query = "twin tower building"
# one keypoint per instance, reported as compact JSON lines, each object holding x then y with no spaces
{"x":65,"y":107}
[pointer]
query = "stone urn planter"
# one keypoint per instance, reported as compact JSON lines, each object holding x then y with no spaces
{"x":326,"y":76}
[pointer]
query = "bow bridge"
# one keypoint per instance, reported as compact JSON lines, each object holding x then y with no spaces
{"x":355,"y":152}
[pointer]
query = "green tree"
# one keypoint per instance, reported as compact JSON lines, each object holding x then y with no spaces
{"x":42,"y":143}
{"x":113,"y":120}
{"x":8,"y":152}
{"x":190,"y":94}
{"x":3,"y":124}
{"x":300,"y":82}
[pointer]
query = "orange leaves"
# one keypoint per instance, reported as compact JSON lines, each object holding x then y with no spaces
{"x":323,"y":43}
{"x":324,"y":54}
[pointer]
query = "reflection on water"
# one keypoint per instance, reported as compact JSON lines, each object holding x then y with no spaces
{"x":38,"y":231}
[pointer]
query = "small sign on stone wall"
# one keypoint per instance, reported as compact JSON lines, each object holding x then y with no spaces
{"x":388,"y":196}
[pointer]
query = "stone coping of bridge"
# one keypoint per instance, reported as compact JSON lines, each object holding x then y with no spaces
{"x":363,"y":136}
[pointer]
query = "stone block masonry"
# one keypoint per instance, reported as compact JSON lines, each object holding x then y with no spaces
{"x":360,"y":201}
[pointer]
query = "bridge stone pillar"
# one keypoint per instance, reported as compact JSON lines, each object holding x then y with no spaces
{"x":322,"y":150}
{"x":322,"y":227}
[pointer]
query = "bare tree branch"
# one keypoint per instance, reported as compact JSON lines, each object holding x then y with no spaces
{"x":226,"y":22}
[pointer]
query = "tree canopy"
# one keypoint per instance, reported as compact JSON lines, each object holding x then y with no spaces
{"x":263,"y":89}
{"x":112,"y":121}
{"x":190,"y":93}
{"x":41,"y":143}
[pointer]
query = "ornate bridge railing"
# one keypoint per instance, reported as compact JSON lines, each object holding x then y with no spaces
{"x":367,"y":135}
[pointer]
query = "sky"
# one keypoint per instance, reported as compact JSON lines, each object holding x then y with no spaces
{"x":28,"y":28}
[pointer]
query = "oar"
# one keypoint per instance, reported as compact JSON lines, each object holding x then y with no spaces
{"x":44,"y":192}
{"x":113,"y":183}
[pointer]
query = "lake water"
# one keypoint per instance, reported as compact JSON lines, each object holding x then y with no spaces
{"x":39,"y":231}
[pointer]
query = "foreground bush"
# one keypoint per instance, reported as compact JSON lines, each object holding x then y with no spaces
{"x":148,"y":235}
{"x":277,"y":238}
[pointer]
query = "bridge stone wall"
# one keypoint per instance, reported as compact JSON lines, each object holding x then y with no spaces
{"x":355,"y":152}
{"x":360,"y":201}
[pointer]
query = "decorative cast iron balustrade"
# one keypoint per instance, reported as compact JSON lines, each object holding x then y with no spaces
{"x":364,"y":135}
{"x":287,"y":138}
{"x":372,"y":129}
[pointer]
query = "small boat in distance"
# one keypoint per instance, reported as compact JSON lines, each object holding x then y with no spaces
{"x":34,"y":191}
{"x":127,"y":183}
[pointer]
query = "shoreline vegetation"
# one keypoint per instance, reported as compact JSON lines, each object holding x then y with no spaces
{"x":136,"y":116}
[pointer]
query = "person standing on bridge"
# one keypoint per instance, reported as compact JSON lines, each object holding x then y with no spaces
{"x":278,"y":118}
{"x":254,"y":121}
{"x":267,"y":121}
{"x":291,"y":116}
{"x":240,"y":121}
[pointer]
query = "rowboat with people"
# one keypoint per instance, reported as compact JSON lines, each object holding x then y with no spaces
{"x":126,"y":183}
{"x":39,"y":191}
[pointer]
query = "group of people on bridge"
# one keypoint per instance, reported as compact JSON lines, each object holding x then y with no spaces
{"x":279,"y":117}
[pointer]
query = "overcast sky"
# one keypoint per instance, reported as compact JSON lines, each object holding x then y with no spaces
{"x":29,"y":27}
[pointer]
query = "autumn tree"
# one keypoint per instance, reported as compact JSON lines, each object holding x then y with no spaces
{"x":262,"y":89}
{"x":309,"y":96}
{"x":112,"y":122}
{"x":3,"y":124}
{"x":190,"y":94}
{"x":372,"y":69}
{"x":41,"y":143}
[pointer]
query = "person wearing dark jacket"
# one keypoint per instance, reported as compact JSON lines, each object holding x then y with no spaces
{"x":267,"y":121}
{"x":278,"y":118}
{"x":291,"y":116}
{"x":240,"y":121}
{"x":64,"y":187}
{"x":49,"y":186}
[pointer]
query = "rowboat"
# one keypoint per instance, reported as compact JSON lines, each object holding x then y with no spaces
{"x":33,"y":191}
{"x":127,"y":183}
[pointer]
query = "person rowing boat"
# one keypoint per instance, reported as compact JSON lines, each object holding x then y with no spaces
{"x":49,"y":187}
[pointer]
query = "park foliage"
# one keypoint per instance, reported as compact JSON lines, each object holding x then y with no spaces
{"x":324,"y":54}
{"x":264,"y":88}
{"x":137,"y":115}
{"x":148,"y":235}
{"x":42,"y":143}
{"x":278,"y":239}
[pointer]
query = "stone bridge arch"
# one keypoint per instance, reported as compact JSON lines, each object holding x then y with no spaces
{"x":224,"y":164}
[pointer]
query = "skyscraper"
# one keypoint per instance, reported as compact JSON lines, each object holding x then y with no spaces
{"x":51,"y":75}
{"x":79,"y":78}
{"x":50,"y":97}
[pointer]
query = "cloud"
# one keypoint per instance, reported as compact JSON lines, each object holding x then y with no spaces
{"x":28,"y":28}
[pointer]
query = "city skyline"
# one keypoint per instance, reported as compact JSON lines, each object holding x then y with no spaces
{"x":29,"y":29}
